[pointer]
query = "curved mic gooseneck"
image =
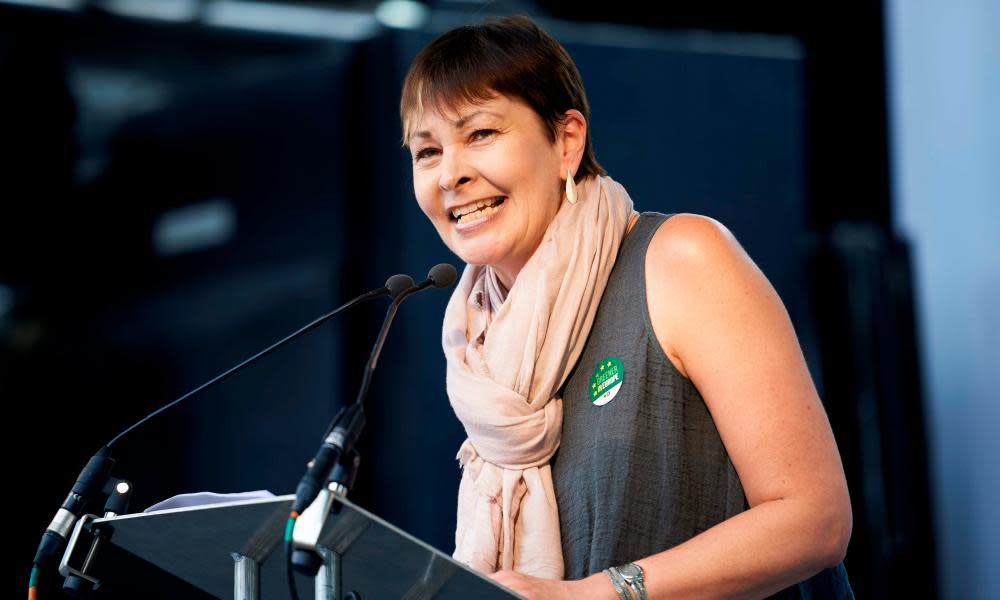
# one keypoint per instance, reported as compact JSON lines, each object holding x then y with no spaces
{"x":346,"y":426}
{"x":94,"y":478}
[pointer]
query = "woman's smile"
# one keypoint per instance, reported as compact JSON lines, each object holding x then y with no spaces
{"x":470,"y":218}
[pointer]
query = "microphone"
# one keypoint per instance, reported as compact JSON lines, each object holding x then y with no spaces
{"x":440,"y":276}
{"x":89,"y":483}
{"x":92,"y":480}
{"x":397,"y":284}
{"x":346,"y":426}
{"x":443,"y":275}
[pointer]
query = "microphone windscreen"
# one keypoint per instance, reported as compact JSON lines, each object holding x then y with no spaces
{"x":442,"y":275}
{"x":397,"y":284}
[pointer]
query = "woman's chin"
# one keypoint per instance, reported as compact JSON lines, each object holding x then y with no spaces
{"x":478,"y":258}
{"x":485,"y":251}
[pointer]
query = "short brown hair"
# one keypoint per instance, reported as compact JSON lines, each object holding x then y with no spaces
{"x":509,"y":55}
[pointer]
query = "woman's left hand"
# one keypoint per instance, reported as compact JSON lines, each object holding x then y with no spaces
{"x":536,"y":588}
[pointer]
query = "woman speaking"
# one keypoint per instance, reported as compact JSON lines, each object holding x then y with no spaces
{"x":641,"y":422}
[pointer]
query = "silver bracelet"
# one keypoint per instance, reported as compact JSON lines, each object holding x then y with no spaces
{"x":634,"y":577}
{"x":619,"y":582}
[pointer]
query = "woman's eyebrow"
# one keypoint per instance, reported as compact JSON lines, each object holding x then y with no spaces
{"x":466,"y":118}
{"x":458,"y":124}
{"x":421,"y":134}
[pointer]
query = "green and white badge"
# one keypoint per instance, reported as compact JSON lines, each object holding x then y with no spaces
{"x":607,"y":379}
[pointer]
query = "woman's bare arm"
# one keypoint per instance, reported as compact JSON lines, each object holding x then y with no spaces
{"x":723,"y":326}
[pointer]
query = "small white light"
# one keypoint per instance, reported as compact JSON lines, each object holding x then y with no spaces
{"x":175,"y":11}
{"x":291,"y":19}
{"x":50,"y":4}
{"x":195,"y":227}
{"x":122,"y":487}
{"x":402,"y":14}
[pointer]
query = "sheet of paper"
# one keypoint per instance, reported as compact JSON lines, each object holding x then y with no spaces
{"x":202,"y":498}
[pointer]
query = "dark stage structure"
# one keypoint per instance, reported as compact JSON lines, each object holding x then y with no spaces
{"x":178,"y":195}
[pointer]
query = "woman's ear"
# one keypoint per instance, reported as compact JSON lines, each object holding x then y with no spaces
{"x":572,"y":139}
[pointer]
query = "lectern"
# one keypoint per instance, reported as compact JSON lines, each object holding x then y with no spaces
{"x":235,"y":550}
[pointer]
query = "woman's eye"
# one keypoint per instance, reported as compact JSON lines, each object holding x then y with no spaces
{"x":424,"y":153}
{"x":482,"y":133}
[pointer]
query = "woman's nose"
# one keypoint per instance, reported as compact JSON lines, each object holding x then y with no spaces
{"x":454,"y":171}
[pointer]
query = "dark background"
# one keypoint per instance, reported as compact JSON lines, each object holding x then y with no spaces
{"x":178,"y":194}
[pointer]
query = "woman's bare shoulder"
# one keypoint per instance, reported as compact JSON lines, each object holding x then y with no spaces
{"x":688,"y":240}
{"x":694,"y":268}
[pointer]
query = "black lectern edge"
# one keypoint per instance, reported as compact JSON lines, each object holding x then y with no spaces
{"x":288,"y":499}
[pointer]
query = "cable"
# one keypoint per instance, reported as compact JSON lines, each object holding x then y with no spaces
{"x":33,"y":584}
{"x":312,"y":325}
{"x":289,"y":528}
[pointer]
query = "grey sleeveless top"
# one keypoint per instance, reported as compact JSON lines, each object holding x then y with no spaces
{"x":641,"y":467}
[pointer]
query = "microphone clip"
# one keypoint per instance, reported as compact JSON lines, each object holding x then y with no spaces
{"x":309,"y":526}
{"x":82,"y":582}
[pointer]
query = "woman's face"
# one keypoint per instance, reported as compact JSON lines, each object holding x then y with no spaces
{"x":489,"y":180}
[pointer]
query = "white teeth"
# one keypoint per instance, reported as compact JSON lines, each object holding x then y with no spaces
{"x":478,"y":214}
{"x":461,"y":211}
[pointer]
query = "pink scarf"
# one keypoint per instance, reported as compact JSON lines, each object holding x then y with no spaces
{"x":507,"y":359}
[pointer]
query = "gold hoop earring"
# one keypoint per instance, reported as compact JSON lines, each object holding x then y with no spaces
{"x":570,"y":187}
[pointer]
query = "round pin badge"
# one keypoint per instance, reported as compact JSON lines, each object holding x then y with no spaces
{"x":606,"y":381}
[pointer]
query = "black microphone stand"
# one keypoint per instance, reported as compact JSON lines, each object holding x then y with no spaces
{"x":330,"y":475}
{"x":95,"y":479}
